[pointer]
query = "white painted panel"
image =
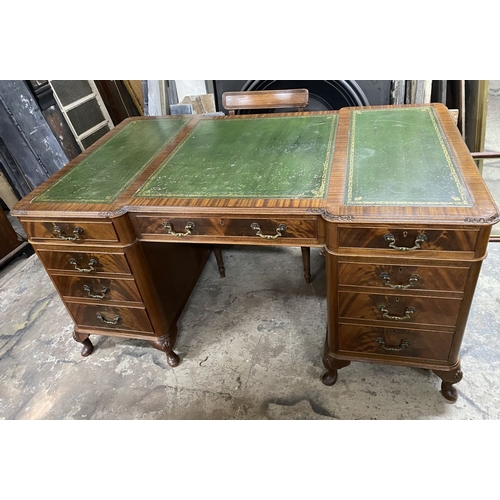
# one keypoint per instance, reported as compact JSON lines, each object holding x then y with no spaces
{"x":155,"y":98}
{"x":190,"y":87}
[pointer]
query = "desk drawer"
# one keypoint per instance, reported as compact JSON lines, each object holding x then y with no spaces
{"x":386,"y":343}
{"x":71,"y":231}
{"x":97,"y":288}
{"x":86,"y":263}
{"x":399,"y":309}
{"x":213,"y":227}
{"x":110,"y":317}
{"x":396,"y":277}
{"x":407,"y":242}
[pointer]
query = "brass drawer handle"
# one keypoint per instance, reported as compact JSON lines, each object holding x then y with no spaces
{"x":402,"y":346}
{"x":419,"y":239}
{"x":92,"y":263}
{"x":93,"y":295}
{"x":281,"y":228}
{"x":113,"y":321}
{"x":408,"y":312}
{"x":76,"y":232}
{"x":411,"y":281}
{"x":188,"y":228}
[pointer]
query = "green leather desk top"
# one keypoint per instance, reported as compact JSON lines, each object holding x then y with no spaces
{"x":273,"y":157}
{"x":103,"y":175}
{"x":401,"y":157}
{"x":405,"y":157}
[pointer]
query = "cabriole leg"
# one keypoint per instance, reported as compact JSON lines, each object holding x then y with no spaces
{"x":83,"y":338}
{"x":166,"y":343}
{"x":332,"y":365}
{"x":448,"y":379}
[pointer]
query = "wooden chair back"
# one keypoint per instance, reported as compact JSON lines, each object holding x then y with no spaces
{"x":271,"y":99}
{"x":265,"y":99}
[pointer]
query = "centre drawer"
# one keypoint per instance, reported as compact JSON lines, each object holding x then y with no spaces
{"x":86,"y":263}
{"x":214,"y":227}
{"x":110,"y":317}
{"x":399,"y":309}
{"x":374,"y":342}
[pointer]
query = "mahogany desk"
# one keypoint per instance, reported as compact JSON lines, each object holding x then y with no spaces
{"x":391,"y":193}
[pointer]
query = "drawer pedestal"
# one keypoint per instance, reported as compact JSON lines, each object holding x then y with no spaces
{"x":112,"y":284}
{"x":402,"y":306}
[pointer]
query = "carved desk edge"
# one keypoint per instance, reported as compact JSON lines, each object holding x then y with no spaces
{"x":492,"y":220}
{"x":70,"y":214}
{"x":328,"y":216}
{"x":483,"y":221}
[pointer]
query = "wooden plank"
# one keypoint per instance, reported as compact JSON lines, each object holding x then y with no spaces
{"x":419,"y":92}
{"x":454,"y":115}
{"x":6,"y":192}
{"x":27,"y":118}
{"x":427,"y":91}
{"x":440,"y":90}
{"x":134,"y":88}
{"x":398,"y":92}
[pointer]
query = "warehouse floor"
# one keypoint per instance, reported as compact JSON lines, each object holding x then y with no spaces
{"x":250,"y":347}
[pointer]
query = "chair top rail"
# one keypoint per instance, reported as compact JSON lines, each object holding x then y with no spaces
{"x":265,"y":99}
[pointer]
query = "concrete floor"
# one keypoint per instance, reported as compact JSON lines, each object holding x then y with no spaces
{"x":250,"y":346}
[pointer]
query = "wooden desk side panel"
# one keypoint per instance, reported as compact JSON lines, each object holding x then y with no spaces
{"x":166,"y":274}
{"x":464,"y":310}
{"x":9,"y":240}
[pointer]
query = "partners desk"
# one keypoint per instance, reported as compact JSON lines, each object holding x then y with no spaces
{"x":390,"y":193}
